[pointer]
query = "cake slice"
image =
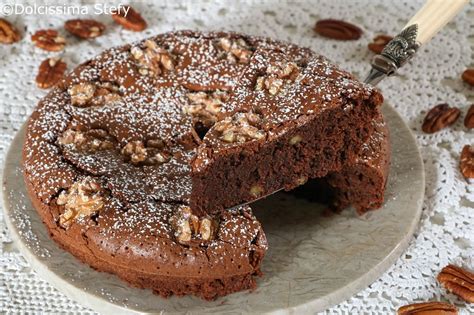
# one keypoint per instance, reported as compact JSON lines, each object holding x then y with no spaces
{"x":361,"y":185}
{"x":287,"y":120}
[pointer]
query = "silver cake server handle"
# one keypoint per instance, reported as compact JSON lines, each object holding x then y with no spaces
{"x":428,"y":21}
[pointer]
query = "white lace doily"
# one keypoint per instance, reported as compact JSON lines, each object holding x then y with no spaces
{"x":446,"y":233}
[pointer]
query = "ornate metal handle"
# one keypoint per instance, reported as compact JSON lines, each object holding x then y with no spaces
{"x":422,"y":27}
{"x":395,"y":54}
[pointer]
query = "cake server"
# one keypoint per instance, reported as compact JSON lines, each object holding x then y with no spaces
{"x":428,"y":21}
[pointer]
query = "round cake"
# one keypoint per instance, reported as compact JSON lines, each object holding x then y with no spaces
{"x":132,"y":158}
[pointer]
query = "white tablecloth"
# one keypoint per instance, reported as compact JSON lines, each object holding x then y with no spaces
{"x":446,"y":232}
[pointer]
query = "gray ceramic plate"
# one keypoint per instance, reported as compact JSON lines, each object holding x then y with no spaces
{"x":313,"y":261}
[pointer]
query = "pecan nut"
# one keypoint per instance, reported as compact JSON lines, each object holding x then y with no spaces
{"x":129,"y":18}
{"x":468,"y":76}
{"x":83,"y":199}
{"x":49,"y":40}
{"x":8,"y":33}
{"x":337,"y":29}
{"x":433,"y":308}
{"x":458,"y":281}
{"x":469,"y":119}
{"x":50,"y":72}
{"x":379,"y":42}
{"x":466,"y":163}
{"x":84,"y":28}
{"x":439,"y":117}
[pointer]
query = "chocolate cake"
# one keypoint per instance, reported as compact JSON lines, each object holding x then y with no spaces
{"x":131,"y":159}
{"x":361,"y":185}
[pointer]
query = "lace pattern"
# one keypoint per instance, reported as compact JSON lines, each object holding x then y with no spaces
{"x":446,"y":233}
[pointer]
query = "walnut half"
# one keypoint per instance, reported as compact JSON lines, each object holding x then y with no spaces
{"x":277,"y":76}
{"x":235,"y":51}
{"x":154,"y":153}
{"x":205,"y":107}
{"x":188,"y":226}
{"x":88,"y":94}
{"x":84,"y":198}
{"x":87,"y":141}
{"x":153,"y":59}
{"x":240,"y":128}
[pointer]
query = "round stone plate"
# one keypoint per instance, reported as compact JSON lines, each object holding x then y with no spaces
{"x":313,"y":262}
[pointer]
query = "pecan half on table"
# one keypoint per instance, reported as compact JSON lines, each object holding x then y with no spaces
{"x":466,"y":163}
{"x":8,"y":33}
{"x":337,"y":29}
{"x":468,"y":76}
{"x":50,"y":72}
{"x":49,"y":40}
{"x":432,"y":308}
{"x":458,"y":281}
{"x":469,"y":119}
{"x":439,"y":117}
{"x":84,"y":28}
{"x":129,"y":19}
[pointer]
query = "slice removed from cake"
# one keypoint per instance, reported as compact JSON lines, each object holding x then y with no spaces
{"x":288,"y":119}
{"x":361,"y":185}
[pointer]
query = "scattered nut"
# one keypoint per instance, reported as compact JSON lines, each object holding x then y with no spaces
{"x":295,"y":140}
{"x":379,"y":42}
{"x":466,"y":163}
{"x":84,"y":198}
{"x":337,"y":29}
{"x":187,"y":226}
{"x":277,"y":75}
{"x":87,"y":141}
{"x":256,"y":190}
{"x":8,"y":33}
{"x":468,"y":76}
{"x":84,"y":28}
{"x":153,"y":59}
{"x":49,"y":40}
{"x":458,"y":281}
{"x":439,"y":117}
{"x":469,"y":119}
{"x":50,"y":72}
{"x":234,"y":50}
{"x":204,"y":106}
{"x":129,"y":18}
{"x":426,"y":308}
{"x":138,"y":154}
{"x":240,"y":128}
